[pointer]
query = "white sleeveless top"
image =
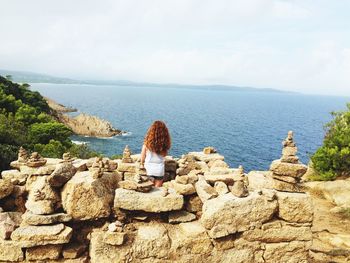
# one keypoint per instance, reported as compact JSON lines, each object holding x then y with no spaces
{"x":154,"y":164}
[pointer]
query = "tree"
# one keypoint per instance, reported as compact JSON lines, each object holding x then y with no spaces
{"x":42,"y":133}
{"x":9,"y":77}
{"x":333,"y":157}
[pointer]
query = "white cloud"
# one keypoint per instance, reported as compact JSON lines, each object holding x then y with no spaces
{"x":295,"y":45}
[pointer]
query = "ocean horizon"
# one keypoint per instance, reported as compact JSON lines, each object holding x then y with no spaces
{"x":246,"y":127}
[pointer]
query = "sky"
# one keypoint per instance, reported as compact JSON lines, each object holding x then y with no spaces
{"x":301,"y":45}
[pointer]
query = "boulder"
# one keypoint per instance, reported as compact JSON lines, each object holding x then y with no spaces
{"x":42,"y":198}
{"x":204,"y":190}
{"x":295,"y":207}
{"x":33,"y":219}
{"x":10,"y":251}
{"x":228,"y":214}
{"x":151,"y":241}
{"x":180,"y":216}
{"x":80,"y":165}
{"x":86,"y":198}
{"x":114,"y":238}
{"x":62,"y":174}
{"x":43,"y":252}
{"x":153,"y":201}
{"x":31,"y":236}
{"x":6,"y":188}
{"x":288,"y":169}
{"x":259,"y":180}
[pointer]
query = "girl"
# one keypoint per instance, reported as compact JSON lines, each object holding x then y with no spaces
{"x":155,"y":147}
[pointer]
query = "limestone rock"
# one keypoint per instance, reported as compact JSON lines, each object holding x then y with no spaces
{"x":193,"y":204}
{"x":42,"y":198}
{"x":293,"y":252}
{"x":279,"y":231}
{"x":102,"y":252}
{"x":259,"y":180}
{"x":288,"y":169}
{"x":154,"y":201}
{"x":43,"y":252}
{"x":284,"y":178}
{"x":86,"y":198}
{"x":10,"y":251}
{"x":33,"y":219}
{"x":80,"y":165}
{"x":73,"y":250}
{"x":6,"y":188}
{"x":9,"y":221}
{"x":204,"y":190}
{"x":31,"y":236}
{"x":200,"y":156}
{"x":151,"y":241}
{"x":295,"y":207}
{"x":114,"y":238}
{"x":14,"y":175}
{"x":128,"y":167}
{"x":182,"y":189}
{"x":228,"y":214}
{"x":221,"y":188}
{"x":180,"y":216}
{"x":181,"y":179}
{"x":190,"y":238}
{"x":62,"y":174}
{"x":225,"y":175}
{"x":239,"y":189}
{"x":209,"y":150}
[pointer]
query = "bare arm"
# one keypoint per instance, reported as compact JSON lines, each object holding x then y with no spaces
{"x":143,"y":154}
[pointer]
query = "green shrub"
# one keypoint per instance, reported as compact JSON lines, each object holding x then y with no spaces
{"x":54,"y":149}
{"x":43,"y":133}
{"x":333,"y":157}
{"x":83,"y":151}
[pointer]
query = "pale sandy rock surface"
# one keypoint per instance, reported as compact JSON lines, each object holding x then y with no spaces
{"x":43,"y":252}
{"x":228,"y":214}
{"x":153,"y":201}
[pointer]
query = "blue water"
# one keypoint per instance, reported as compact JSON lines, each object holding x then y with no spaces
{"x":246,"y":127}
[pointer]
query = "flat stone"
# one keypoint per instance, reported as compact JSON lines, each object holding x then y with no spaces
{"x":182,"y":189}
{"x":289,"y":151}
{"x":278,"y":231}
{"x":43,"y":252}
{"x":6,"y":188}
{"x":62,"y":174}
{"x":151,"y":241}
{"x":114,"y":238}
{"x":128,"y":167}
{"x":287,"y":187}
{"x":228,"y":214}
{"x":80,"y":165}
{"x":129,"y":176}
{"x":284,"y":178}
{"x":84,"y":197}
{"x":33,"y":219}
{"x":31,"y":236}
{"x":259,"y":180}
{"x":226,"y":175}
{"x":288,"y":169}
{"x":10,"y":251}
{"x":204,"y":190}
{"x":73,"y":250}
{"x":154,"y":201}
{"x":181,"y":216}
{"x":295,"y":207}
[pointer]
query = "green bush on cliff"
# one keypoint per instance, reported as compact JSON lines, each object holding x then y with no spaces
{"x":25,"y":120}
{"x":332,"y":159}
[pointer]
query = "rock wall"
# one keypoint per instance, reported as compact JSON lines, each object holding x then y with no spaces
{"x":102,"y":210}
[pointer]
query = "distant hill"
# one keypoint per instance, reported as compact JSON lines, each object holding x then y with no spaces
{"x":30,"y":77}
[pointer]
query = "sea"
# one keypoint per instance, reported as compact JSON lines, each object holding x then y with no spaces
{"x":247,"y":127}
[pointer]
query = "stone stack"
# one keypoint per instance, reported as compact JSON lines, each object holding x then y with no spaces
{"x":35,"y":160}
{"x":287,"y":172}
{"x":141,"y":182}
{"x":239,"y":187}
{"x":127,"y":167}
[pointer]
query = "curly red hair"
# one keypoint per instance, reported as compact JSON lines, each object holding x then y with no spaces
{"x":158,"y":138}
